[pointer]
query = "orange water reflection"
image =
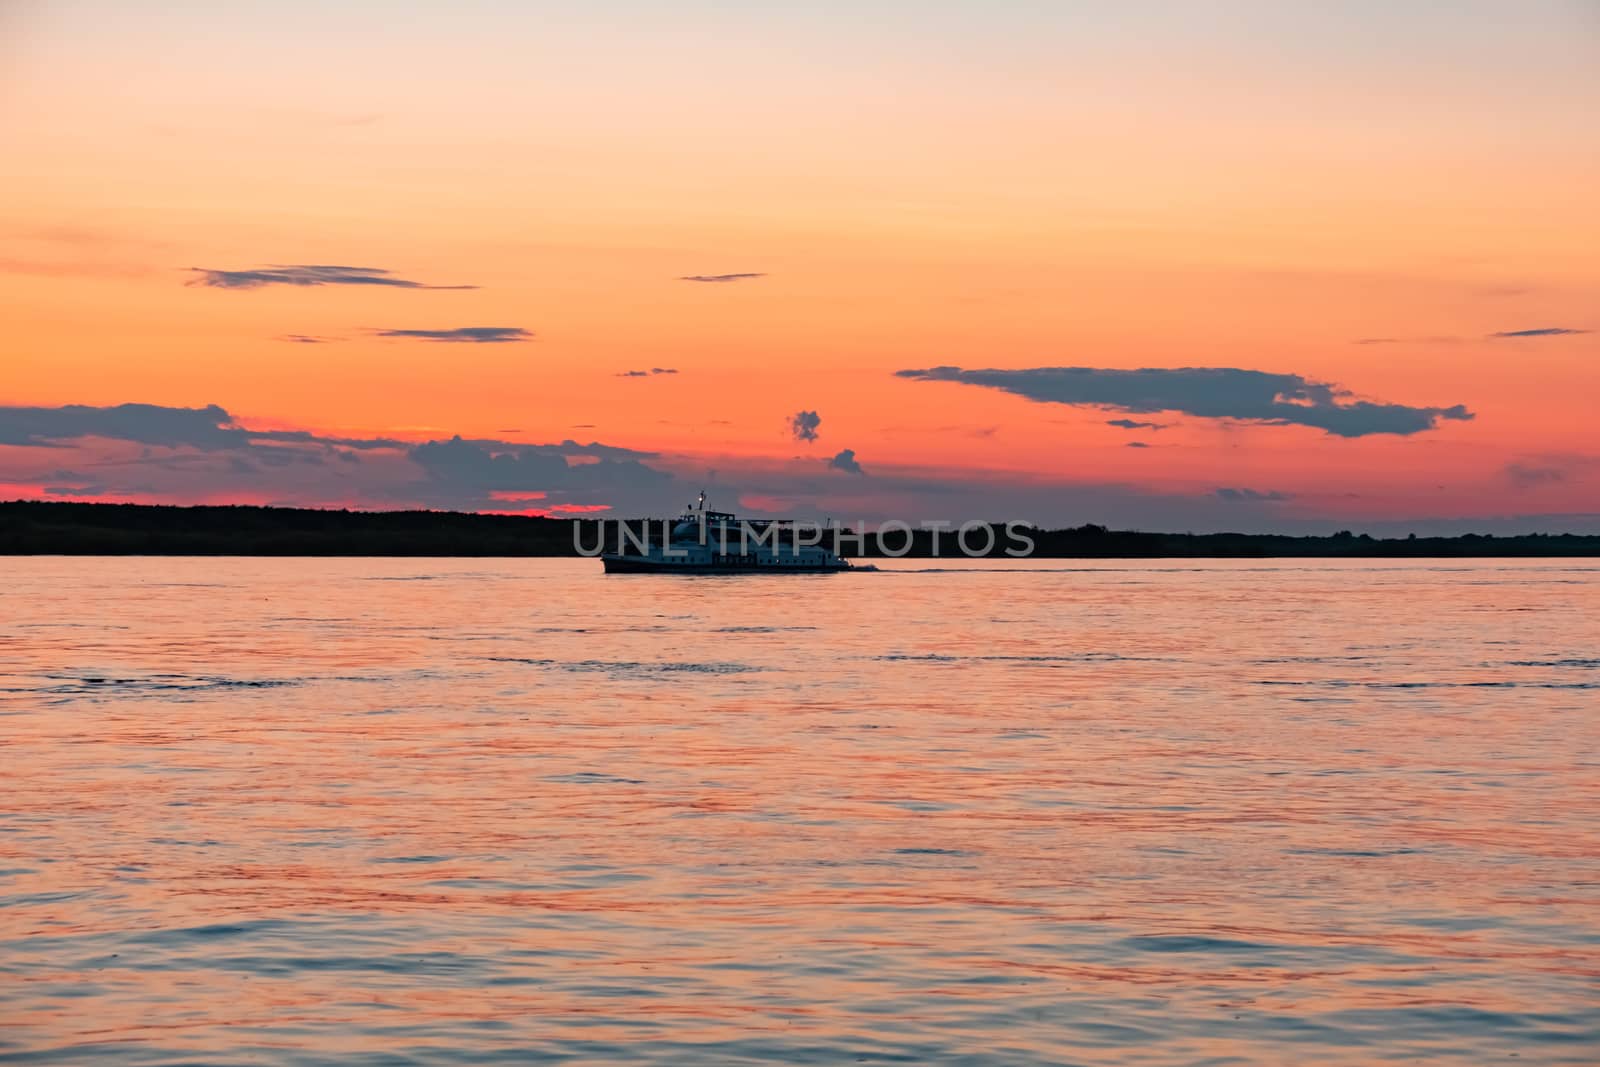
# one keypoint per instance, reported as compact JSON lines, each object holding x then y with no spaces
{"x":490,"y":811}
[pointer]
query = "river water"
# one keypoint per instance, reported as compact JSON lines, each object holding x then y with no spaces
{"x":515,"y":811}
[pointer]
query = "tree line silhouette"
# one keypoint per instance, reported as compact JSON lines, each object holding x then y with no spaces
{"x":52,"y":528}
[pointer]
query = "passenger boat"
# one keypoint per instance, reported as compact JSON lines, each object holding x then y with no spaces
{"x":701,"y":541}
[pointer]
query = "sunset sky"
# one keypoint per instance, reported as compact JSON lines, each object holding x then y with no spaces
{"x":1236,"y":265}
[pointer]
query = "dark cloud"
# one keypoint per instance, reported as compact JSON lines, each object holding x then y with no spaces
{"x":846,"y":461}
{"x":497,"y":465}
{"x":476,"y":335}
{"x":593,"y":450}
{"x":807,"y":488}
{"x":1206,"y":392}
{"x":719,"y":277}
{"x":1131,"y":424}
{"x":283,"y":456}
{"x":646,"y":373}
{"x":306,"y":339}
{"x":803,"y":424}
{"x":1527,"y":476}
{"x":1251,"y":496}
{"x":305,"y":274}
{"x":1551,"y":469}
{"x":148,"y":424}
{"x":199,"y":455}
{"x":1137,"y":444}
{"x":203,"y":451}
{"x":577,"y":450}
{"x":1542,"y":331}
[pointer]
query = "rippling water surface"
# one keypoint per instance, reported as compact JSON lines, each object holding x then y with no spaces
{"x":422,"y":811}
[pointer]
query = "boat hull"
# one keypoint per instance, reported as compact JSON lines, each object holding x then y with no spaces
{"x":643,"y":565}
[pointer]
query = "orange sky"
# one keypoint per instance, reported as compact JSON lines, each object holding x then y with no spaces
{"x":918,"y":185}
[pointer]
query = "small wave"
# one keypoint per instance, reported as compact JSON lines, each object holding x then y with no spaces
{"x":1194,"y":943}
{"x":69,"y":626}
{"x":1356,"y":853}
{"x":592,"y":778}
{"x":1576,"y":664}
{"x":1076,"y":657}
{"x":596,"y":666}
{"x":464,"y":576}
{"x":118,"y":685}
{"x":1339,"y":683}
{"x":211,"y":932}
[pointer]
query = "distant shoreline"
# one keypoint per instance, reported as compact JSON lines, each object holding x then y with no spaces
{"x":90,"y":529}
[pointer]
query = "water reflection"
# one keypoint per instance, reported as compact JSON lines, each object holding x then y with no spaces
{"x":274,"y":811}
